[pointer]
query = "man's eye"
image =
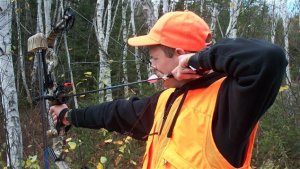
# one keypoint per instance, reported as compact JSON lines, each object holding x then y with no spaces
{"x":153,"y":59}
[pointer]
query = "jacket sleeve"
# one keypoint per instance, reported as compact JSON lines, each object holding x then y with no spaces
{"x":133,"y":117}
{"x":254,"y":70}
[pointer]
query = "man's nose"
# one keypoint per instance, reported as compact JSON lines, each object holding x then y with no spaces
{"x":153,"y":68}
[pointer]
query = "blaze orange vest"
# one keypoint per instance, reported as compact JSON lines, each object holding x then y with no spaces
{"x":191,"y":145}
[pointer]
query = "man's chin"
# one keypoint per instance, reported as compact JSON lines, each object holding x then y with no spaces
{"x":167,"y":85}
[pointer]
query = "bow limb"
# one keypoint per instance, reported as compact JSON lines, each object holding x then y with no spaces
{"x":59,"y":137}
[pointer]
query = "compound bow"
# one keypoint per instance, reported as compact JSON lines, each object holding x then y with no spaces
{"x":43,"y":47}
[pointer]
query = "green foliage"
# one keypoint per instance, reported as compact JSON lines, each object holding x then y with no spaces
{"x":2,"y":153}
{"x":31,"y":163}
{"x":105,"y":149}
{"x":278,"y":138}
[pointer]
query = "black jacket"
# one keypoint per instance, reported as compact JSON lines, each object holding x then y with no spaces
{"x":254,"y":70}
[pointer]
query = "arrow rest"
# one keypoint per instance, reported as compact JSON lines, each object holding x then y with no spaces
{"x":59,"y":94}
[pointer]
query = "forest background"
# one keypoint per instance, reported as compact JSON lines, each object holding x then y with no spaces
{"x":93,"y":54}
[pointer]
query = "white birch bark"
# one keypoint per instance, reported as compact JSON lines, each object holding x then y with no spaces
{"x":185,"y":5}
{"x":274,"y":19}
{"x":165,"y":8}
{"x":8,"y":90}
{"x":156,"y":4}
{"x":214,"y":16}
{"x":149,"y":11}
{"x":286,"y":20}
{"x":103,"y":32}
{"x":172,"y":5}
{"x":125,"y":48}
{"x":47,"y":11}
{"x":136,"y":54}
{"x":202,"y":6}
{"x":99,"y":29}
{"x":235,"y":6}
{"x":39,"y":28}
{"x":21,"y":55}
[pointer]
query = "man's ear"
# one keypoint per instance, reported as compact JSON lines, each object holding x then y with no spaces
{"x":179,"y":51}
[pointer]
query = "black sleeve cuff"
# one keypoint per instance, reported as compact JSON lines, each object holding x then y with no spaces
{"x":200,"y":61}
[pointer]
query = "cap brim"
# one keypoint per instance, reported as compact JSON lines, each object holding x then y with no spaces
{"x":142,"y":41}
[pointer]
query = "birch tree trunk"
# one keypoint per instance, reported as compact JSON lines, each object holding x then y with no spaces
{"x":8,"y":90}
{"x":150,"y":12}
{"x":274,"y":19}
{"x":103,"y":33}
{"x":202,"y":6}
{"x":235,"y":6}
{"x":39,"y":28}
{"x":156,"y":4}
{"x":104,"y":71}
{"x":21,"y":56}
{"x":285,"y":19}
{"x":214,"y":16}
{"x":47,"y":11}
{"x":125,"y":48}
{"x":172,"y":5}
{"x":136,"y":53}
{"x":165,"y":8}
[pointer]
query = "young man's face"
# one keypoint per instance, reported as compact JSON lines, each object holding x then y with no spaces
{"x":163,"y":65}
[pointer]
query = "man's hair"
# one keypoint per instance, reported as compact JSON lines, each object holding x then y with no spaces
{"x":168,"y":50}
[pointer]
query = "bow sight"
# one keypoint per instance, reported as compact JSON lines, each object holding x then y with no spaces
{"x":59,"y":95}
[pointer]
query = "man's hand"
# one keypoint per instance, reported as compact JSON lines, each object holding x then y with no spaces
{"x":183,"y":71}
{"x":55,"y":110}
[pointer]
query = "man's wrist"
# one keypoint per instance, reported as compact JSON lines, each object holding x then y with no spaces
{"x":68,"y":118}
{"x":200,"y":61}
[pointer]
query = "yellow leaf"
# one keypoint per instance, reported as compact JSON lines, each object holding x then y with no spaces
{"x":119,"y":142}
{"x":99,"y":166}
{"x":30,"y":58}
{"x":72,"y":145}
{"x":132,"y":162}
{"x":68,"y":139}
{"x":128,"y":139}
{"x":87,"y":73}
{"x":108,"y":141}
{"x":122,"y":148}
{"x":82,"y":96}
{"x":283,"y":88}
{"x":103,"y":159}
{"x":33,"y":158}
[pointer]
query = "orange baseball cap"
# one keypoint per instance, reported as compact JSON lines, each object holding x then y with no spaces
{"x":181,"y":29}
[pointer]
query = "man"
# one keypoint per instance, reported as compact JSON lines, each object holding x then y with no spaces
{"x":206,"y":118}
